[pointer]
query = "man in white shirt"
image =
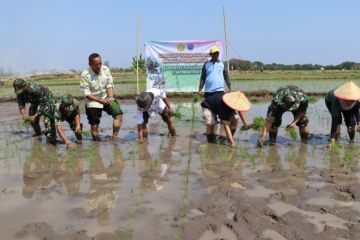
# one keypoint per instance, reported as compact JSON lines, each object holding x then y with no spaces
{"x":96,"y":83}
{"x":149,"y":103}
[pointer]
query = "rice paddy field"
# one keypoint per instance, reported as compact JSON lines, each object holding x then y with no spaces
{"x":253,"y":83}
{"x":180,"y":187}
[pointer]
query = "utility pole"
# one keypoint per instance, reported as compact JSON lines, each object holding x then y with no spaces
{"x":137,"y":55}
{"x":226,"y":43}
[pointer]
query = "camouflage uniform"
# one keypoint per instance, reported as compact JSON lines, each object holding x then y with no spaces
{"x":41,"y":102}
{"x":289,"y":98}
{"x":66,"y":112}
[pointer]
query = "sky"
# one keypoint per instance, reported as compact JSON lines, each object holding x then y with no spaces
{"x":60,"y":34}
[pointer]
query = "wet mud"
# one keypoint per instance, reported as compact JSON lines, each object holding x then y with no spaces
{"x":178,"y":187}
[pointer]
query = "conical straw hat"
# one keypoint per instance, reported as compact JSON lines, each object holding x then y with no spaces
{"x":237,"y":101}
{"x":348,"y":91}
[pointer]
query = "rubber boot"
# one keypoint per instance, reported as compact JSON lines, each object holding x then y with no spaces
{"x":272,"y":137}
{"x":96,"y":138}
{"x":211,"y":138}
{"x":351,"y":132}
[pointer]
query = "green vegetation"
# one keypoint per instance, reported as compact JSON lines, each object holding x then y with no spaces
{"x":245,"y":65}
{"x":258,"y":123}
{"x":292,"y":133}
{"x":27,"y":122}
{"x":252,"y":82}
{"x":177,"y":112}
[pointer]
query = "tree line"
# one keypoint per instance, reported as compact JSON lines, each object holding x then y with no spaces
{"x":245,"y":65}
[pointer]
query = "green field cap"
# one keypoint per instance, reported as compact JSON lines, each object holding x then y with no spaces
{"x":67,"y":100}
{"x":18,"y":85}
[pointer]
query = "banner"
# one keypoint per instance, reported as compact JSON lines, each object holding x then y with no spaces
{"x":175,"y":66}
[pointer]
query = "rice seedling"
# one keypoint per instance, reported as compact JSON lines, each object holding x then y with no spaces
{"x":312,"y":99}
{"x":292,"y":133}
{"x":27,"y":122}
{"x":177,"y":112}
{"x":114,"y":106}
{"x":196,"y":99}
{"x":86,"y":133}
{"x":348,"y":157}
{"x":258,"y":123}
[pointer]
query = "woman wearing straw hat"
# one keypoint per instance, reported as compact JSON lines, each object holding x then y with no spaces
{"x":344,"y":101}
{"x":289,"y":98}
{"x":225,"y":105}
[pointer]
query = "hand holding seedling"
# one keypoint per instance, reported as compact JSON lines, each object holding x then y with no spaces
{"x":68,"y":145}
{"x":245,"y":127}
{"x":291,"y":125}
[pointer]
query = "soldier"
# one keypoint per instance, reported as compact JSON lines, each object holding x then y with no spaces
{"x":96,"y":83}
{"x":289,"y":98}
{"x":41,"y":103}
{"x":344,"y":101}
{"x":67,"y":109}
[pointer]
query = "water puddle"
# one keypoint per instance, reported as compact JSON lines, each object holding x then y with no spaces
{"x":320,"y":220}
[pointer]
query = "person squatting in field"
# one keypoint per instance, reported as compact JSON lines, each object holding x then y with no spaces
{"x":344,"y":102}
{"x":68,"y":109}
{"x":289,"y":98}
{"x":41,"y":104}
{"x":225,"y":106}
{"x":149,"y":103}
{"x":96,"y":84}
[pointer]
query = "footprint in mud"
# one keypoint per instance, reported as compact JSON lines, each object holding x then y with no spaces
{"x":214,"y":232}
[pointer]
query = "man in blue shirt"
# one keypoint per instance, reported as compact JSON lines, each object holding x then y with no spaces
{"x":213,"y":76}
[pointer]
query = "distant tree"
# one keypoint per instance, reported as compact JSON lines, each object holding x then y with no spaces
{"x":142,"y":65}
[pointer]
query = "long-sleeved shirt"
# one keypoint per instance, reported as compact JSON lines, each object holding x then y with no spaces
{"x":213,"y":76}
{"x":335,"y":109}
{"x":39,"y":96}
{"x":96,"y":85}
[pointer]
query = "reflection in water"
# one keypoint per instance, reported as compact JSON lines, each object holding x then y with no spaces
{"x":37,"y":169}
{"x":104,"y":183}
{"x":153,"y":171}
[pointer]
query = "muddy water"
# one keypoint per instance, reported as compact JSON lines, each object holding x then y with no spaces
{"x":178,"y":188}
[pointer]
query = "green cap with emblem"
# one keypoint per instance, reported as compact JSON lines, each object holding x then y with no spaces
{"x":19,"y":85}
{"x":67,"y":100}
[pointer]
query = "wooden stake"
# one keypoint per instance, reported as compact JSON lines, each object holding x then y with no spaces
{"x":137,"y":55}
{"x":226,"y":43}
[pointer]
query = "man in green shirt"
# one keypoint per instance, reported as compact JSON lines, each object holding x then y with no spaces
{"x":67,"y":109}
{"x":289,"y":98}
{"x":41,"y":103}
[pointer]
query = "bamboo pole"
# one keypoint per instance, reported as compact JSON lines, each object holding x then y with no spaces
{"x":226,"y":43}
{"x":137,"y":55}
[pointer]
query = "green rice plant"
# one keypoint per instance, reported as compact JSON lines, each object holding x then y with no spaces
{"x":252,"y":158}
{"x":86,"y":133}
{"x":258,"y":123}
{"x":348,"y":157}
{"x":312,"y":99}
{"x":292,"y":133}
{"x":115,"y":107}
{"x":177,"y":112}
{"x":27,"y":122}
{"x":196,"y":99}
{"x":336,"y":148}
